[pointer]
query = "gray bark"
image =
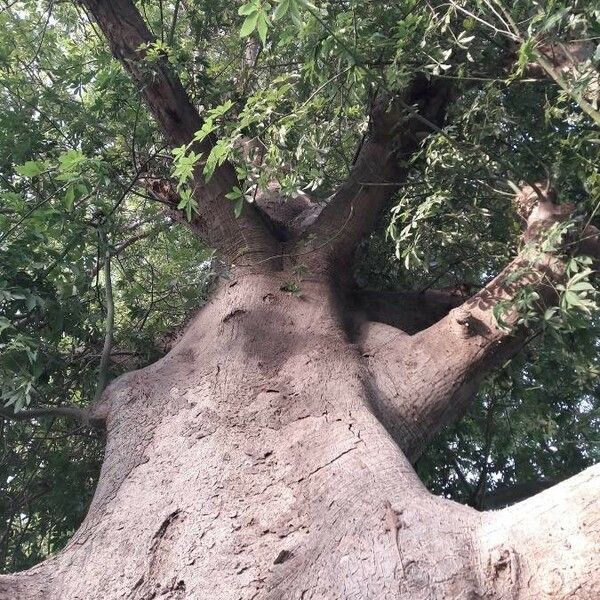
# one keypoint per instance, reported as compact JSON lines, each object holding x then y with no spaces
{"x":268,"y":455}
{"x":248,"y":464}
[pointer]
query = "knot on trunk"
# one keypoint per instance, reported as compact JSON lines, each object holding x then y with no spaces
{"x":502,"y":572}
{"x":471,"y":325}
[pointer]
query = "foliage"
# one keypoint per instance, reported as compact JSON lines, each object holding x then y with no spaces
{"x":284,"y":90}
{"x":67,"y":162}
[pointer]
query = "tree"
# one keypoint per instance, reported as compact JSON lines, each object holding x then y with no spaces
{"x":270,"y":454}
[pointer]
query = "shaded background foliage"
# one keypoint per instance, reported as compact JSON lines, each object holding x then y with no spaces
{"x":76,"y":144}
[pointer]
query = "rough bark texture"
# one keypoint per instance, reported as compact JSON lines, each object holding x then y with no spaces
{"x":248,"y":464}
{"x":244,"y":241}
{"x":397,"y":128}
{"x":268,"y":455}
{"x":547,"y":546}
{"x":426,"y":381}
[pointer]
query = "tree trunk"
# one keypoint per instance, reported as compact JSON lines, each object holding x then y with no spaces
{"x":247,"y":464}
{"x":268,"y":455}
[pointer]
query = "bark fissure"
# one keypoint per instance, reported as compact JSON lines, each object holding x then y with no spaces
{"x":248,"y":464}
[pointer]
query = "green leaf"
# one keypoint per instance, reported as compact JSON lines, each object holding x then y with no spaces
{"x":70,"y":161}
{"x":553,"y":20}
{"x":187,"y":203}
{"x":234,"y":194}
{"x":281,"y":10}
{"x":307,"y":4}
{"x":70,"y":197}
{"x":295,"y":13}
{"x":581,"y":286}
{"x":262,"y":26}
{"x":249,"y":24}
{"x":248,"y":9}
{"x":31,"y":168}
{"x":526,"y":55}
{"x":207,"y":128}
{"x":4,"y":324}
{"x":582,"y":275}
{"x":238,"y":206}
{"x":184,"y":164}
{"x":572,"y":299}
{"x":218,"y":155}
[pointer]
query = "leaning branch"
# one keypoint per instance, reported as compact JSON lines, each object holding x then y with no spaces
{"x":70,"y":412}
{"x":547,"y":546}
{"x":571,"y":90}
{"x":396,"y":130}
{"x":243,"y":241}
{"x":450,"y":359}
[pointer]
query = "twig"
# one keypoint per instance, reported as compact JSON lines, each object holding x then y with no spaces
{"x":585,"y":106}
{"x":71,"y":412}
{"x":110,"y":320}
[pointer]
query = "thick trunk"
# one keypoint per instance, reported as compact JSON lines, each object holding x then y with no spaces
{"x":247,"y":464}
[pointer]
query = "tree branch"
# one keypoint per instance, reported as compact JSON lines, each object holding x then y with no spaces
{"x":507,"y":495}
{"x":110,"y":320}
{"x":244,"y":241}
{"x":557,"y":77}
{"x":450,"y":359}
{"x":120,"y":248}
{"x":396,"y":131}
{"x":410,"y":311}
{"x":547,"y":546}
{"x":84,"y":416}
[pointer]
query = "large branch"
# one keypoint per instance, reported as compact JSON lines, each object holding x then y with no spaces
{"x":82,"y":415}
{"x":547,"y":546}
{"x":449,"y":360}
{"x":397,"y":128}
{"x":410,"y":311}
{"x":243,"y":241}
{"x":510,"y":494}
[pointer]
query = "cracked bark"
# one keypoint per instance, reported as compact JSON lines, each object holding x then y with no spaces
{"x":268,"y":455}
{"x":247,"y":464}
